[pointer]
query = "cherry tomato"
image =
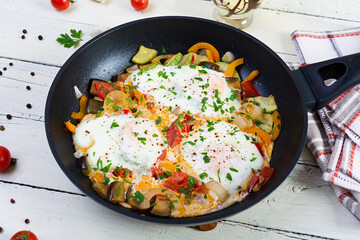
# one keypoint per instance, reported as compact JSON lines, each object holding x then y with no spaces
{"x":103,"y":88}
{"x":61,"y":5}
{"x":5,"y":158}
{"x":139,"y":4}
{"x":179,"y":181}
{"x":24,"y":235}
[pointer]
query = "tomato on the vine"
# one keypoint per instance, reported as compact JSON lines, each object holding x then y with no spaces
{"x":61,"y":4}
{"x":139,"y":4}
{"x":24,"y":235}
{"x":5,"y":158}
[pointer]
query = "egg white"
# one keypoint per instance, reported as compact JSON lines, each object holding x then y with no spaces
{"x":133,"y":143}
{"x":194,"y":89}
{"x":220,"y":151}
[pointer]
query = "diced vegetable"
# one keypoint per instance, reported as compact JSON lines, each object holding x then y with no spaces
{"x":242,"y":122}
{"x":209,"y":55}
{"x":210,"y":65}
{"x":162,"y":206}
{"x":173,"y":136}
{"x":144,"y":55}
{"x":93,"y":106}
{"x":149,"y":66}
{"x":259,"y":133}
{"x":101,"y":188}
{"x":265,"y":122}
{"x":233,"y":82}
{"x":187,"y":59}
{"x":259,"y":179}
{"x":82,"y":108}
{"x":228,"y":57}
{"x":116,"y":192}
{"x":161,"y":57}
{"x":277,"y":125}
{"x":201,"y":45}
{"x":267,"y":104}
{"x":174,"y":60}
{"x":71,"y":127}
{"x":223,"y":66}
{"x":116,"y":98}
{"x":218,"y":189}
{"x":231,"y":68}
{"x":252,"y":76}
{"x":104,"y":88}
{"x":248,"y":90}
{"x":133,"y":68}
{"x":78,"y":94}
{"x":165,"y":192}
{"x":93,"y":82}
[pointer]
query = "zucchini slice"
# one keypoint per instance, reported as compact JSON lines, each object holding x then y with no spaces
{"x":187,"y":59}
{"x":174,"y":60}
{"x":144,"y":55}
{"x":268,"y":104}
{"x":265,"y":122}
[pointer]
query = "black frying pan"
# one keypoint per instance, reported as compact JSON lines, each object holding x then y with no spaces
{"x":110,"y":53}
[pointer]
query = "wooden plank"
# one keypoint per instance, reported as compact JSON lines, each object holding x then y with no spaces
{"x":303,"y":207}
{"x":337,"y":9}
{"x":272,"y":27}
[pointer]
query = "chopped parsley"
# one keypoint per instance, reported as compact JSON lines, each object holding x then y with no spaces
{"x":138,"y":196}
{"x":114,"y":125}
{"x":253,"y":159}
{"x":158,"y":120}
{"x":206,"y":158}
{"x":203,"y":175}
{"x":233,"y":169}
{"x":228,"y":176}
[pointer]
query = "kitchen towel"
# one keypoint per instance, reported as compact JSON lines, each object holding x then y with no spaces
{"x":334,"y":131}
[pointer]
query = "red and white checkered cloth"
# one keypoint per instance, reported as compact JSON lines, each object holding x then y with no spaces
{"x":334,"y":131}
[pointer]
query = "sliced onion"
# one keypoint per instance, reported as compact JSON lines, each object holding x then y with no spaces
{"x":253,"y":110}
{"x":218,"y":189}
{"x":78,"y":94}
{"x":158,"y":58}
{"x":228,"y":57}
{"x":132,"y":68}
{"x":241,"y":122}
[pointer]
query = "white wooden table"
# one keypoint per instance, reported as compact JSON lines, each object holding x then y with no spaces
{"x":303,"y":207}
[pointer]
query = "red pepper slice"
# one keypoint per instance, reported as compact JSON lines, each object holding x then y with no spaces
{"x":121,"y":172}
{"x":261,"y":178}
{"x":173,"y":136}
{"x":260,"y":149}
{"x":104,"y":88}
{"x":162,"y":156}
{"x":179,"y":181}
{"x":249,"y":90}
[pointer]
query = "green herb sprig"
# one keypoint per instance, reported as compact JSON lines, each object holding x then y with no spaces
{"x":72,"y":40}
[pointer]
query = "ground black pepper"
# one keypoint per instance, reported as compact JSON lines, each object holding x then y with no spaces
{"x":4,"y":68}
{"x":12,"y":201}
{"x":2,"y":128}
{"x":24,"y":31}
{"x":1,"y":229}
{"x":11,"y":64}
{"x":40,"y":37}
{"x":22,"y":36}
{"x":27,"y":221}
{"x":28,"y":105}
{"x":28,"y":87}
{"x":32,"y":74}
{"x":0,"y":73}
{"x":8,"y":116}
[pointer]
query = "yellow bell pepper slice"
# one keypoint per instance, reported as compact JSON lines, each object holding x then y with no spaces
{"x":71,"y":127}
{"x":251,"y":76}
{"x":229,"y":72}
{"x":277,"y":125}
{"x":201,"y":45}
{"x":82,"y":104}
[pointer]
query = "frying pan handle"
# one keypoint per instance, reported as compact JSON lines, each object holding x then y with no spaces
{"x":316,"y":89}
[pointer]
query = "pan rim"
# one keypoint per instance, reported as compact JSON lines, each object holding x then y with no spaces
{"x":188,"y":221}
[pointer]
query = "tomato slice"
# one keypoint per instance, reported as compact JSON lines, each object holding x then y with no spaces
{"x":186,"y":126}
{"x":173,"y":136}
{"x":103,"y":88}
{"x":179,"y":182}
{"x":249,"y":90}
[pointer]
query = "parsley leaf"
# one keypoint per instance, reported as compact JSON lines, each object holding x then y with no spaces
{"x":72,"y":40}
{"x":138,"y":196}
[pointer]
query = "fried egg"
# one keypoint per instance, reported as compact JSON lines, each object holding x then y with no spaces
{"x":220,"y":151}
{"x":121,"y":140}
{"x":194,"y":89}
